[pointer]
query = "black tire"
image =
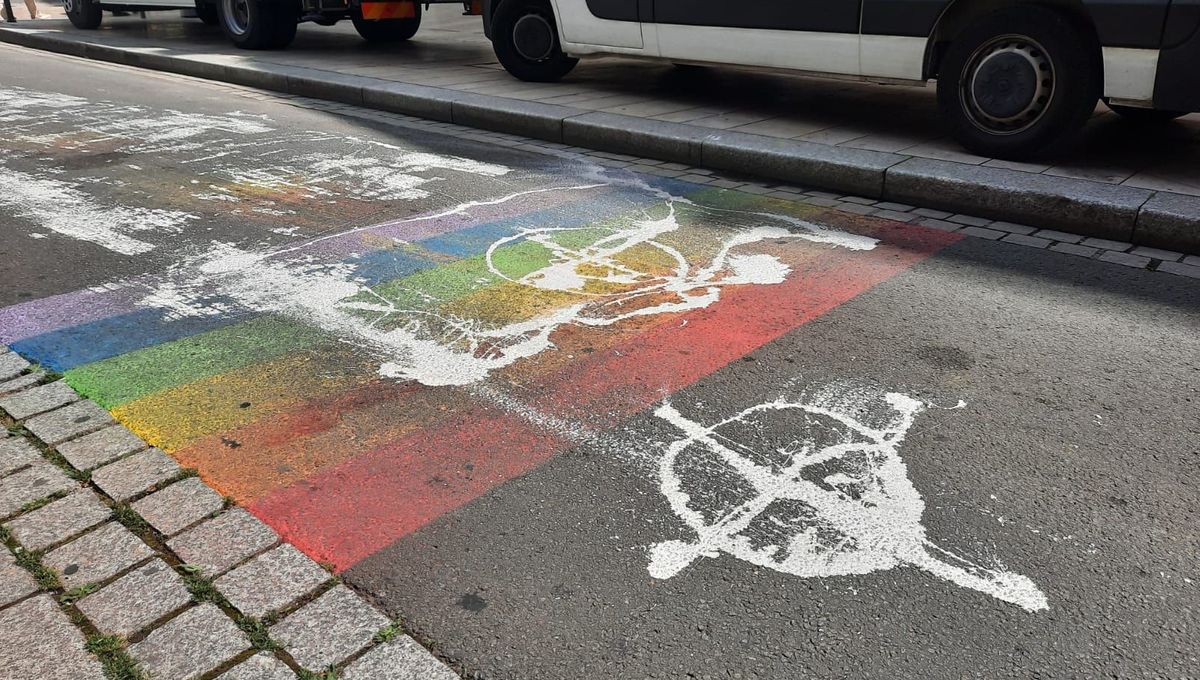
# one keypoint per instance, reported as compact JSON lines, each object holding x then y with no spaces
{"x":1146,"y":117}
{"x":207,"y":12}
{"x":258,"y":24}
{"x":385,"y":30}
{"x":1019,"y":82}
{"x":83,"y":14}
{"x":525,"y":39}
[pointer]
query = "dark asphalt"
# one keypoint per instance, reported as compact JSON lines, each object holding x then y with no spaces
{"x":1075,"y":461}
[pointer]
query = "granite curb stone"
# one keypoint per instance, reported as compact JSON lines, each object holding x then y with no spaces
{"x":271,"y":581}
{"x":329,"y":629}
{"x":97,"y":555}
{"x":179,"y":506}
{"x":130,"y":476}
{"x":100,"y":447}
{"x":38,"y":400}
{"x":136,"y":600}
{"x":1170,"y":221}
{"x":191,"y":644}
{"x":59,"y":520}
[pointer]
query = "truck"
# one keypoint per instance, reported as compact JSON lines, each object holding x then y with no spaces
{"x":1015,"y":78}
{"x":271,"y":24}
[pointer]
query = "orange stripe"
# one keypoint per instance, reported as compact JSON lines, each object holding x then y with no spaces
{"x":388,"y":10}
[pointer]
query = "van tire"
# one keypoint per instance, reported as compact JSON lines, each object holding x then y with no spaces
{"x":84,"y":14}
{"x":258,"y":24}
{"x":525,"y":39}
{"x":207,"y":12}
{"x":385,"y":30}
{"x":1019,"y":82}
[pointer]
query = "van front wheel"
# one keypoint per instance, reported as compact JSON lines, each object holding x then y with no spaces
{"x":83,"y":14}
{"x":1018,"y":81}
{"x":258,"y":24}
{"x":525,"y":39}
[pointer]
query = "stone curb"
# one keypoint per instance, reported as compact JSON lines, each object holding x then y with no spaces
{"x":137,"y":595}
{"x":1095,"y":209}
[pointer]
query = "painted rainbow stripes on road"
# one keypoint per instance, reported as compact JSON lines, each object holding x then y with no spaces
{"x":298,"y":425}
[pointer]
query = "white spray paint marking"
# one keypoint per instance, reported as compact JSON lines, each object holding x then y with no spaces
{"x":62,"y":208}
{"x":835,"y":500}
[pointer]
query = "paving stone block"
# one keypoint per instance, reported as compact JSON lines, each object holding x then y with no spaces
{"x":11,"y":365}
{"x":15,"y":581}
{"x":1189,"y":270}
{"x":942,"y":225}
{"x":97,"y":555}
{"x":400,"y":659}
{"x":1023,"y":240}
{"x":893,"y":215}
{"x":100,"y":447}
{"x":136,"y":600}
{"x":1012,"y":228}
{"x":856,"y":208}
{"x":16,"y":453}
{"x":37,"y":640}
{"x":859,"y":200}
{"x":191,"y":644}
{"x":271,"y":581}
{"x":1193,"y":260}
{"x":1107,"y":244}
{"x":222,"y":542}
{"x":1126,"y":259}
{"x":980,"y":232}
{"x":892,"y":205}
{"x":59,"y":520}
{"x":21,"y":382}
{"x":969,"y":220}
{"x":68,"y":422}
{"x":1074,"y":249}
{"x":1060,"y":236}
{"x":39,"y":480}
{"x":130,"y":476}
{"x":935,"y":214}
{"x":179,"y":506}
{"x":329,"y":629}
{"x":1157,"y":253}
{"x":38,"y":400}
{"x":261,"y":666}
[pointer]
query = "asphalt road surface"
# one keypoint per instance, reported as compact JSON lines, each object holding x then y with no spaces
{"x":566,"y":421}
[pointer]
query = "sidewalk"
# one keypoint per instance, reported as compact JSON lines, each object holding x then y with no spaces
{"x":1122,"y":183}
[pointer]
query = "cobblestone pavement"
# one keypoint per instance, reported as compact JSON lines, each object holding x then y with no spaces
{"x":451,"y":52}
{"x":118,"y":563}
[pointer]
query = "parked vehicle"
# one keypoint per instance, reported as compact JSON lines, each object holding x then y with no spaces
{"x":1014,"y":77}
{"x":271,"y":24}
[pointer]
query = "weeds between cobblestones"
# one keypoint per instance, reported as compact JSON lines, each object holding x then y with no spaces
{"x":140,"y":609}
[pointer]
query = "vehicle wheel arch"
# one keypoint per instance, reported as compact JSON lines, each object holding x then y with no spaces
{"x":960,"y":13}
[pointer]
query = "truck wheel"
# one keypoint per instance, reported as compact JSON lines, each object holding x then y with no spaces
{"x":83,"y":14}
{"x":1144,"y":116}
{"x":385,"y":30}
{"x":207,"y":12}
{"x":525,"y":39}
{"x":1018,"y":81}
{"x":258,"y":24}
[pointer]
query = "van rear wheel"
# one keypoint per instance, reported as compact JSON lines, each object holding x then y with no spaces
{"x":258,"y":24}
{"x":1018,"y":81}
{"x":525,"y":39}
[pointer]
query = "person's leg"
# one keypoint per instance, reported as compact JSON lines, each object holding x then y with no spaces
{"x":31,"y":5}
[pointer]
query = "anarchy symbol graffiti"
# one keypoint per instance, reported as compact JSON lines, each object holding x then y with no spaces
{"x":831,"y":498}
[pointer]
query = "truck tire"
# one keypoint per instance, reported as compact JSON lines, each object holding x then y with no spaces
{"x":525,"y":39}
{"x":207,"y":12}
{"x":1019,"y":81}
{"x":1146,"y":117}
{"x":385,"y":30}
{"x":83,"y":14}
{"x":258,"y":24}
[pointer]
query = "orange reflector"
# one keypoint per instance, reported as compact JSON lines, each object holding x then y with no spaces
{"x":375,"y":11}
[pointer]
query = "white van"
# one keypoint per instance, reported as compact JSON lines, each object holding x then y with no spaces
{"x":1014,"y":77}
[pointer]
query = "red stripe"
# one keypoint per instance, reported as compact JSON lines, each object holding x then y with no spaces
{"x":346,"y":513}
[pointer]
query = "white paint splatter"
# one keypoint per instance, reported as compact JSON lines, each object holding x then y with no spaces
{"x":833,"y":500}
{"x":64,"y":209}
